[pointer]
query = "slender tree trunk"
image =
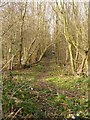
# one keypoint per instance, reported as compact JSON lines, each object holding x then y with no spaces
{"x":56,"y":35}
{"x":21,"y":34}
{"x":84,"y":61}
{"x":21,"y":42}
{"x":77,"y":54}
{"x":71,"y":57}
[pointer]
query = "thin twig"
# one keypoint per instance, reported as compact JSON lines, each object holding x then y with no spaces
{"x":3,"y":5}
{"x":16,"y":113}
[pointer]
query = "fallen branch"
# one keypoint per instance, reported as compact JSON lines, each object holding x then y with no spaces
{"x":8,"y":62}
{"x":41,"y":56}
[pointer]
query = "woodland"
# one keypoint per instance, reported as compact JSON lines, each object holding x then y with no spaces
{"x":44,"y":54}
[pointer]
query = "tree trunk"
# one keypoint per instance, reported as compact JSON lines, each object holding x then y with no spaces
{"x":71,"y":57}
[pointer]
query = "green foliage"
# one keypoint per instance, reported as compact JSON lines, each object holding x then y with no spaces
{"x":51,"y":98}
{"x":16,"y":96}
{"x":40,"y":68}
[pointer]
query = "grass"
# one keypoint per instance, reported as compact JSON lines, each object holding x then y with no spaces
{"x":41,"y":93}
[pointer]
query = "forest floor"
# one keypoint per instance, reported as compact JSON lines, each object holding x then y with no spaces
{"x":44,"y":91}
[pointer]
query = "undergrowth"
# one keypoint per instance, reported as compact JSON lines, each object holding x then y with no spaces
{"x":25,"y":97}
